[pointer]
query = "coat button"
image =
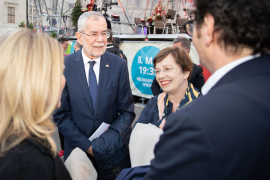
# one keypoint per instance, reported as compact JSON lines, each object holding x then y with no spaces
{"x":95,"y":120}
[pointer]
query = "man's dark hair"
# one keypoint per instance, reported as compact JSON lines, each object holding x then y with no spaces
{"x":110,"y":39}
{"x":185,"y":43}
{"x":239,"y":23}
{"x":62,"y":40}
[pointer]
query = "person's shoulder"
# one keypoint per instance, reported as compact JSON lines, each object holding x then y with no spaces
{"x":32,"y":149}
{"x":228,"y":103}
{"x":111,"y":49}
{"x":153,"y":100}
{"x":120,"y":50}
{"x":72,"y":57}
{"x":217,"y":103}
{"x":114,"y":58}
{"x":28,"y":155}
{"x":115,"y":45}
{"x":152,"y":103}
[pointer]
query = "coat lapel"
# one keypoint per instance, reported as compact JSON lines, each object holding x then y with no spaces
{"x":103,"y":75}
{"x":80,"y":73}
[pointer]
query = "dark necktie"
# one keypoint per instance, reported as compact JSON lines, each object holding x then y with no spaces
{"x":93,"y":83}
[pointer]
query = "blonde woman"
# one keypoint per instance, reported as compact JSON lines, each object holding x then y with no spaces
{"x":31,"y":82}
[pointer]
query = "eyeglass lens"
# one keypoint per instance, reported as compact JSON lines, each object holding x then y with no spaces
{"x":189,"y":27}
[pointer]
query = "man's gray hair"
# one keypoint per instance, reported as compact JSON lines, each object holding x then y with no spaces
{"x":83,"y":18}
{"x":185,"y":43}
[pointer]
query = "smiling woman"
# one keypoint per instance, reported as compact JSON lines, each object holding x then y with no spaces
{"x":173,"y":68}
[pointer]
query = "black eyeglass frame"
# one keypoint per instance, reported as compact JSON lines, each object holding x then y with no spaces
{"x":108,"y":34}
{"x":189,"y":30}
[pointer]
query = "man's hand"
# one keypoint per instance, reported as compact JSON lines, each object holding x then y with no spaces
{"x":90,"y":151}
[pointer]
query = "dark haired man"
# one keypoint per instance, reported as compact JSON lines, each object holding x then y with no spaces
{"x":225,"y":134}
{"x":197,"y":78}
{"x":64,"y":42}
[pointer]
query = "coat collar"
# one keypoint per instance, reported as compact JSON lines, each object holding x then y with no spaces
{"x":254,"y":66}
{"x":216,"y":76}
{"x":109,"y":46}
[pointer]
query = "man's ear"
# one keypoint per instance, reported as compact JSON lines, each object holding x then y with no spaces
{"x":79,"y":38}
{"x":209,"y":23}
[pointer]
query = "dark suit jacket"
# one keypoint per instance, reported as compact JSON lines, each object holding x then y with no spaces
{"x":75,"y":118}
{"x":227,"y":137}
{"x":197,"y":80}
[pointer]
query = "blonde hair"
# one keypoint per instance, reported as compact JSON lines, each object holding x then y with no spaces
{"x":31,"y":68}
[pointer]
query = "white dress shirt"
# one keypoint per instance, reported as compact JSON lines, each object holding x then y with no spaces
{"x":87,"y":66}
{"x":216,"y":76}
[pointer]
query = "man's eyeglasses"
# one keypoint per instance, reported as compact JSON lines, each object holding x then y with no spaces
{"x":189,"y":26}
{"x":96,"y":35}
{"x":165,"y":71}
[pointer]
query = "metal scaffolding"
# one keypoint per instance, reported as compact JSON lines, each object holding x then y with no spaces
{"x":50,"y":15}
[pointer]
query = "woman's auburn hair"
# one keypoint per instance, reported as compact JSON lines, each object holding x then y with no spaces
{"x":31,"y":69}
{"x":180,"y":56}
